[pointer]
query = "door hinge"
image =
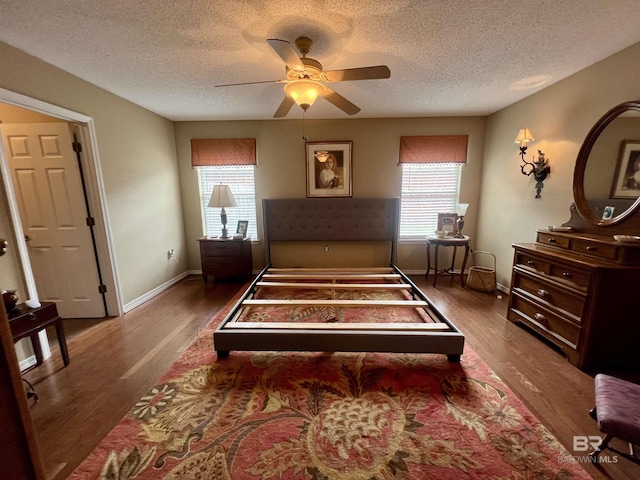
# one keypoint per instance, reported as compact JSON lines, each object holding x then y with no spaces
{"x":102,"y":288}
{"x":77,"y":147}
{"x":90,"y":222}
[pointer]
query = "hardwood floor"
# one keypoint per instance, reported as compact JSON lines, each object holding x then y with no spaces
{"x":115,"y":361}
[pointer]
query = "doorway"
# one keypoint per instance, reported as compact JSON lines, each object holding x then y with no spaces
{"x":88,"y":164}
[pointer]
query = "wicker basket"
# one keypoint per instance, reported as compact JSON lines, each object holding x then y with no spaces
{"x":482,"y":278}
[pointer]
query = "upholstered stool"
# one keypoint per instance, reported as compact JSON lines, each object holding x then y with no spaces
{"x":617,"y":411}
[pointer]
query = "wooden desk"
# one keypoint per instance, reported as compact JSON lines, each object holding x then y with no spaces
{"x":27,"y":322}
{"x":447,"y":242}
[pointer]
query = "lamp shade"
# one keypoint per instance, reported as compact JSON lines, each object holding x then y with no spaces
{"x":222,"y":196}
{"x":304,"y":92}
{"x":462,"y":209}
{"x":524,"y":136}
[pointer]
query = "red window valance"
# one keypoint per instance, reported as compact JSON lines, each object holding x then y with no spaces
{"x":212,"y":152}
{"x":433,"y":149}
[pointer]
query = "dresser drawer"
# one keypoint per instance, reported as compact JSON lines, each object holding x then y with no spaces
{"x":531,"y":261}
{"x":570,"y":275}
{"x":554,"y":240}
{"x":553,"y":326}
{"x":220,"y":264}
{"x":222,"y":248}
{"x":550,"y":294}
{"x":598,"y":249}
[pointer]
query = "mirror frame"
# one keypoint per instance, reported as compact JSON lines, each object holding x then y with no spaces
{"x":581,"y":164}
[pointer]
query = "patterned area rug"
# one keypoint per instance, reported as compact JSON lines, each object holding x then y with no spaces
{"x":321,"y":416}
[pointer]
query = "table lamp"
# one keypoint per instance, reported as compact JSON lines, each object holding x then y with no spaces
{"x":222,"y":197}
{"x":462,"y":211}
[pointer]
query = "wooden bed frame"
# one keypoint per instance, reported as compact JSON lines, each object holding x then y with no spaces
{"x":336,"y":220}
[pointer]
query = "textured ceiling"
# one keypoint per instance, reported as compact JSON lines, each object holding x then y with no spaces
{"x":455,"y":57}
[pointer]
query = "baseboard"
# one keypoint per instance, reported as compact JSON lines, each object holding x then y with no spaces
{"x":27,"y":363}
{"x":156,"y":291}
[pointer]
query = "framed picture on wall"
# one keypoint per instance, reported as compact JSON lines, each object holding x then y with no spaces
{"x":329,"y":169}
{"x":626,"y":181}
{"x":448,"y":222}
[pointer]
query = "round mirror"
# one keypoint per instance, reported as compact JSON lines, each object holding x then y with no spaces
{"x":606,"y":181}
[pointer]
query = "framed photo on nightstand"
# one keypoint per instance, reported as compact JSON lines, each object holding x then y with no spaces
{"x":448,"y":223}
{"x":242,"y":228}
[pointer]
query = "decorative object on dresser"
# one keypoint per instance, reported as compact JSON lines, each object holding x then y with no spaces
{"x":222,"y":197}
{"x":225,"y":258}
{"x":577,"y":284}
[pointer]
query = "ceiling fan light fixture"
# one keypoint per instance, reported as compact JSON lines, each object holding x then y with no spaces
{"x":304,"y":92}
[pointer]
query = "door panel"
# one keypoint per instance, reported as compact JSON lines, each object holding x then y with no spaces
{"x":50,"y":198}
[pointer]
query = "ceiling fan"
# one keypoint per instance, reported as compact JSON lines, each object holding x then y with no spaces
{"x":306,"y":79}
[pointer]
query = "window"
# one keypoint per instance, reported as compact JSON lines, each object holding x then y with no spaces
{"x":241,"y":180}
{"x":427,"y":189}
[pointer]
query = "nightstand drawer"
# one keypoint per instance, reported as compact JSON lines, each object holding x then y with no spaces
{"x":221,"y":248}
{"x":26,"y":321}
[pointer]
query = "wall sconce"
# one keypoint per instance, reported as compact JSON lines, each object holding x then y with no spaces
{"x":539,"y":168}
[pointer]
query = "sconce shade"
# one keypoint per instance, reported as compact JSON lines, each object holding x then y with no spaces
{"x":222,"y":196}
{"x":304,"y":92}
{"x":524,"y":136}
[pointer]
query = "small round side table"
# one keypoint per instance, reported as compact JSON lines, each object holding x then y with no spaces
{"x":446,"y":242}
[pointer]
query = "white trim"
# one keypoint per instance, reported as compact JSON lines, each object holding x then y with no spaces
{"x":156,"y":291}
{"x":28,"y":362}
{"x":95,"y":192}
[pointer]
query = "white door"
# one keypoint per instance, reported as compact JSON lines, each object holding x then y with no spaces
{"x":49,"y":193}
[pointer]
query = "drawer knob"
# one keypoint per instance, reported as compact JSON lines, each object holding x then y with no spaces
{"x":531,"y":262}
{"x":540,"y":318}
{"x":591,"y":248}
{"x":32,"y":316}
{"x":543,"y":293}
{"x":552,"y":240}
{"x":566,"y":274}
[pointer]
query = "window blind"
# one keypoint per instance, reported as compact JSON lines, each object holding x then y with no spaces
{"x":240,"y":179}
{"x":427,"y":189}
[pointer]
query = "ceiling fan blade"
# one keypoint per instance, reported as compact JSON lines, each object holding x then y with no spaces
{"x":339,"y":101}
{"x":250,"y":83}
{"x":364,"y":73}
{"x":284,"y":107}
{"x":286,"y":51}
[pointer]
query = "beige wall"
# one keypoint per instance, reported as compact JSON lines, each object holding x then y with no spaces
{"x":559,"y":117}
{"x":137,"y":154}
{"x":281,"y":171}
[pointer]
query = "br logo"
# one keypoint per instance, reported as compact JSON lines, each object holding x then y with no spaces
{"x":583,"y":443}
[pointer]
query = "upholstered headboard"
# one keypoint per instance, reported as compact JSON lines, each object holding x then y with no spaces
{"x":331,"y":220}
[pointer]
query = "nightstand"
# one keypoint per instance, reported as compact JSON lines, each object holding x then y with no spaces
{"x":225,"y":258}
{"x":27,"y":322}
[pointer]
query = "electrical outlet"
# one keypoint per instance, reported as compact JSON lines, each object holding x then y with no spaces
{"x":171,"y":253}
{"x":326,"y":248}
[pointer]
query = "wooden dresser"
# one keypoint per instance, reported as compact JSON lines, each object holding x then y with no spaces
{"x":581,"y":292}
{"x":225,"y":258}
